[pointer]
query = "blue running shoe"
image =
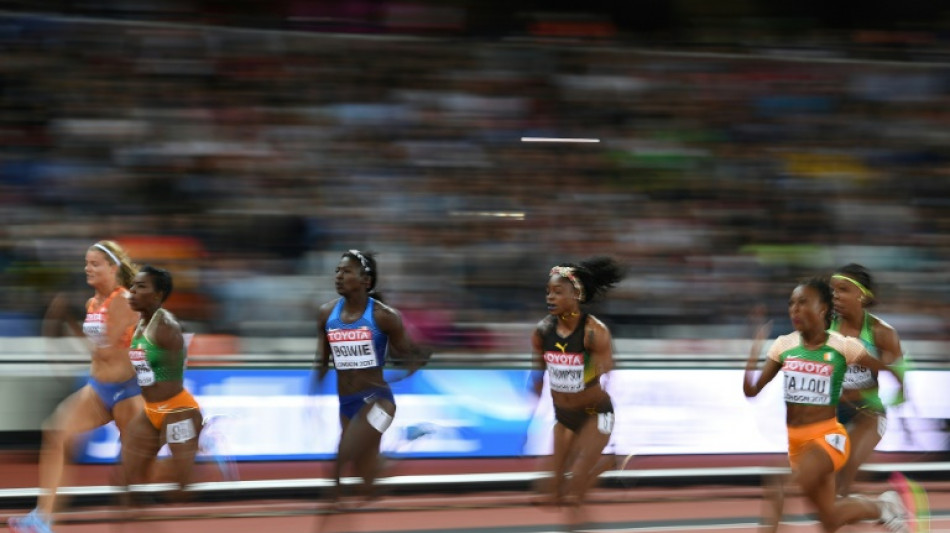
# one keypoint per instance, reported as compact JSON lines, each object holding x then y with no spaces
{"x":31,"y":523}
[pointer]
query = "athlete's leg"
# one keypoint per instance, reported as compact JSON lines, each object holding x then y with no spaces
{"x":774,"y":488}
{"x":553,"y":488}
{"x":367,"y":432}
{"x":126,"y":410}
{"x":181,"y":431}
{"x":588,"y":464}
{"x":585,"y":465}
{"x":865,"y":433}
{"x":140,"y":444}
{"x":816,"y":477}
{"x":82,"y":411}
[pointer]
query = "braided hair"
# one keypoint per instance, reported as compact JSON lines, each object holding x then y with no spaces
{"x":596,"y":276}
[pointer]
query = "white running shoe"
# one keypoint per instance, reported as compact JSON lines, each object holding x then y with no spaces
{"x":893,"y":512}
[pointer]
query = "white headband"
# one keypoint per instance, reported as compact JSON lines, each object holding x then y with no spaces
{"x":362,"y":261}
{"x":108,"y":252}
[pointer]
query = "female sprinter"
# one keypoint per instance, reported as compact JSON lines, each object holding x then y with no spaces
{"x":860,"y":409}
{"x":814,"y":362}
{"x":170,"y":415}
{"x":111,"y":392}
{"x":576,"y":350}
{"x":357,"y":331}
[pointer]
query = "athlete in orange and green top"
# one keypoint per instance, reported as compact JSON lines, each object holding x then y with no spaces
{"x":861,"y":409}
{"x":814,"y":361}
{"x":171,"y":415}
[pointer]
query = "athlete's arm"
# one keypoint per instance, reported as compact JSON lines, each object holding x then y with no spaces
{"x":169,"y":338}
{"x":401,"y":347}
{"x":536,"y":377}
{"x":321,"y":360}
{"x":888,"y":343}
{"x":120,"y":320}
{"x":599,"y":345}
{"x":877,"y":365}
{"x":750,"y":385}
{"x":58,"y":314}
{"x":855,"y":353}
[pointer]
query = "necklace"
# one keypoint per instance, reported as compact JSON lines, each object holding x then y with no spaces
{"x":572,"y":314}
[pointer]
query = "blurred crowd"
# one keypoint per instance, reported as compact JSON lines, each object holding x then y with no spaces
{"x":248,"y":160}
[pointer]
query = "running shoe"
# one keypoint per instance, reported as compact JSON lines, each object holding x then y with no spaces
{"x":893,"y":513}
{"x":31,"y":523}
{"x":915,"y":502}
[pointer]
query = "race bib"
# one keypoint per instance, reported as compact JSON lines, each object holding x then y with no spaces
{"x":143,"y":372}
{"x":379,"y":418}
{"x":807,"y":382}
{"x":565,"y":371}
{"x":94,"y":328}
{"x":837,"y":441}
{"x":858,"y":377}
{"x":181,"y":431}
{"x":605,"y":423}
{"x":352,"y":348}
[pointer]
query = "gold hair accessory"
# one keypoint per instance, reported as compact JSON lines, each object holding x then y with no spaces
{"x":568,"y":274}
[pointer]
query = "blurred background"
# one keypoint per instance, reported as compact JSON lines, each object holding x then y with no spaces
{"x":246,"y":145}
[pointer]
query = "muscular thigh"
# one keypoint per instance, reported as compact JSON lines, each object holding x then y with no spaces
{"x":867,"y":425}
{"x":140,"y":439}
{"x":595,"y":433}
{"x":80,"y":412}
{"x":126,"y":410}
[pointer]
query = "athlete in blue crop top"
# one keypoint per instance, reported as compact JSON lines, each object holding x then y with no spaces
{"x":357,"y":332}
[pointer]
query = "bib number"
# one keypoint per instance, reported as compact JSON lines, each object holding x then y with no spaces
{"x":605,"y":423}
{"x":378,"y":418}
{"x":837,"y":441}
{"x":181,"y":431}
{"x":144,"y":374}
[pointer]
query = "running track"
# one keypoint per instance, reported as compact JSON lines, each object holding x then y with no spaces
{"x":618,"y":507}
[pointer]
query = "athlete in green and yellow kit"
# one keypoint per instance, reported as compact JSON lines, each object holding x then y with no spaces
{"x":861,"y":409}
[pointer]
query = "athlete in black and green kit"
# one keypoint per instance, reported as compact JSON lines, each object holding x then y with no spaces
{"x":576,"y":350}
{"x":861,"y":409}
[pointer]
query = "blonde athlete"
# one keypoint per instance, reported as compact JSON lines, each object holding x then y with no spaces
{"x":111,"y":392}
